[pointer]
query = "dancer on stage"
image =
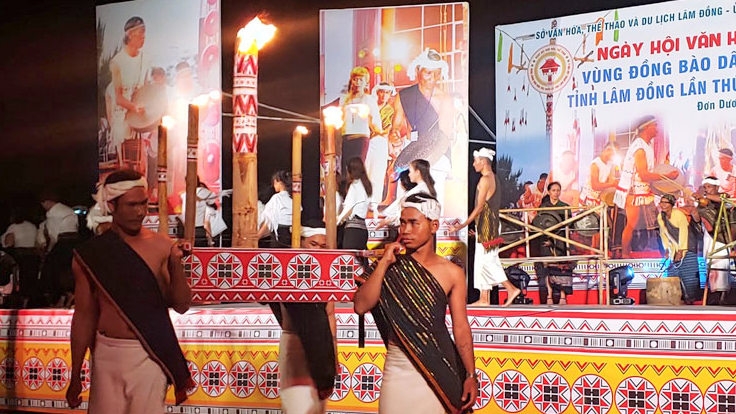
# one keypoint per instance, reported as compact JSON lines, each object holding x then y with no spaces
{"x":488,"y":269}
{"x":126,"y":281}
{"x":408,"y":295}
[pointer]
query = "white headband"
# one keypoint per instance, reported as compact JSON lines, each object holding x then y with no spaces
{"x":109,"y":192}
{"x":711,"y":181}
{"x":429,"y":207}
{"x":313,"y":231}
{"x":384,"y":87}
{"x":130,"y":29}
{"x":484,"y":152}
{"x":424,"y":61}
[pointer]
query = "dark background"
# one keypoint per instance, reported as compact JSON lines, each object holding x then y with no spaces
{"x":48,"y":113}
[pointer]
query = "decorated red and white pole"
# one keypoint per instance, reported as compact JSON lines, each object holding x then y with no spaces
{"x":245,"y":132}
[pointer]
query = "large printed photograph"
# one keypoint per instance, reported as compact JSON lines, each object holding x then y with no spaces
{"x":400,"y":76}
{"x":153,"y":58}
{"x":622,"y":107}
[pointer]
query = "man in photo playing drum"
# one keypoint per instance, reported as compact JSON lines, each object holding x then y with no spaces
{"x":725,"y":172}
{"x":602,"y":177}
{"x":129,"y":69}
{"x":633,"y":193}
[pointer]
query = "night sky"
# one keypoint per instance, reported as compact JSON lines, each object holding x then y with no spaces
{"x":48,"y":114}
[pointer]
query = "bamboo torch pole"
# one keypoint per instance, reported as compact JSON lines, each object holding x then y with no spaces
{"x":251,"y":38}
{"x":191,"y":177}
{"x":332,"y":119}
{"x":296,"y":185}
{"x":162,"y":173}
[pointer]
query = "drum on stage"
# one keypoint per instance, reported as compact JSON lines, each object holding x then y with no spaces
{"x":667,"y":185}
{"x":545,"y":220}
{"x":511,"y":232}
{"x":152,"y":97}
{"x":664,"y":291}
{"x":587,"y":226}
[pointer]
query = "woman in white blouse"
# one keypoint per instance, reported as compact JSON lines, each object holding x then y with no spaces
{"x":355,"y":207}
{"x":418,"y":174}
{"x":275,"y":230}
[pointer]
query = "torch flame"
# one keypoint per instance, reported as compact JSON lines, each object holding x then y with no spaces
{"x":333,"y":116}
{"x":168,"y":121}
{"x":201,"y":100}
{"x":302,"y":130}
{"x":215,"y":95}
{"x":255,"y":34}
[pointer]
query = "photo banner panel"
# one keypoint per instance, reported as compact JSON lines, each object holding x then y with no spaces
{"x":400,"y":75}
{"x":153,"y":58}
{"x":589,"y":91}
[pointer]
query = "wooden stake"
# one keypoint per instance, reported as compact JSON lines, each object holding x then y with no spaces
{"x":191,"y":178}
{"x":163,"y":206}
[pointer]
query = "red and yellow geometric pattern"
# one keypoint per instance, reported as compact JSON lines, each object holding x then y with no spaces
{"x":632,"y":360}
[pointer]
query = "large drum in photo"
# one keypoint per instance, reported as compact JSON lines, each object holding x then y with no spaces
{"x":667,"y":185}
{"x":152,"y":97}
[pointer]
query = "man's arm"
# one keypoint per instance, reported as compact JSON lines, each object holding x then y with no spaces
{"x":398,"y":121}
{"x":117,"y":83}
{"x":595,"y":183}
{"x":640,"y":163}
{"x":447,"y":117}
{"x":180,"y":295}
{"x":485,"y":186}
{"x":369,"y":293}
{"x":461,"y":333}
{"x":84,"y":325}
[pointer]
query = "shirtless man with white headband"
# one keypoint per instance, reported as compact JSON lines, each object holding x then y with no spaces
{"x":126,"y":280}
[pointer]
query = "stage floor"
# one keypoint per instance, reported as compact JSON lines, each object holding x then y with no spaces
{"x":530,"y":359}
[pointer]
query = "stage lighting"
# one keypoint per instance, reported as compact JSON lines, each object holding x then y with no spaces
{"x":618,"y":282}
{"x":520,"y":279}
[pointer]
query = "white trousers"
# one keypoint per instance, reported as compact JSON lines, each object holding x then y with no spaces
{"x":488,"y":269}
{"x":125,"y":379}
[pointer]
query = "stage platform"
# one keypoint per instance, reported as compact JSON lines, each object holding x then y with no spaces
{"x":530,"y":359}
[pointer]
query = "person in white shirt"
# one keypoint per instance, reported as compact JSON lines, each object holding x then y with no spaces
{"x":20,"y":241}
{"x":61,"y":221}
{"x":360,"y":115}
{"x":355,"y":207}
{"x":419,"y":175}
{"x":20,"y":234}
{"x":61,"y":228}
{"x":205,"y":205}
{"x":275,"y":231}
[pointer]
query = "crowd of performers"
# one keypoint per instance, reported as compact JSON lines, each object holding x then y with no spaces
{"x":127,"y":278}
{"x":652,"y":214}
{"x":408,"y":290}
